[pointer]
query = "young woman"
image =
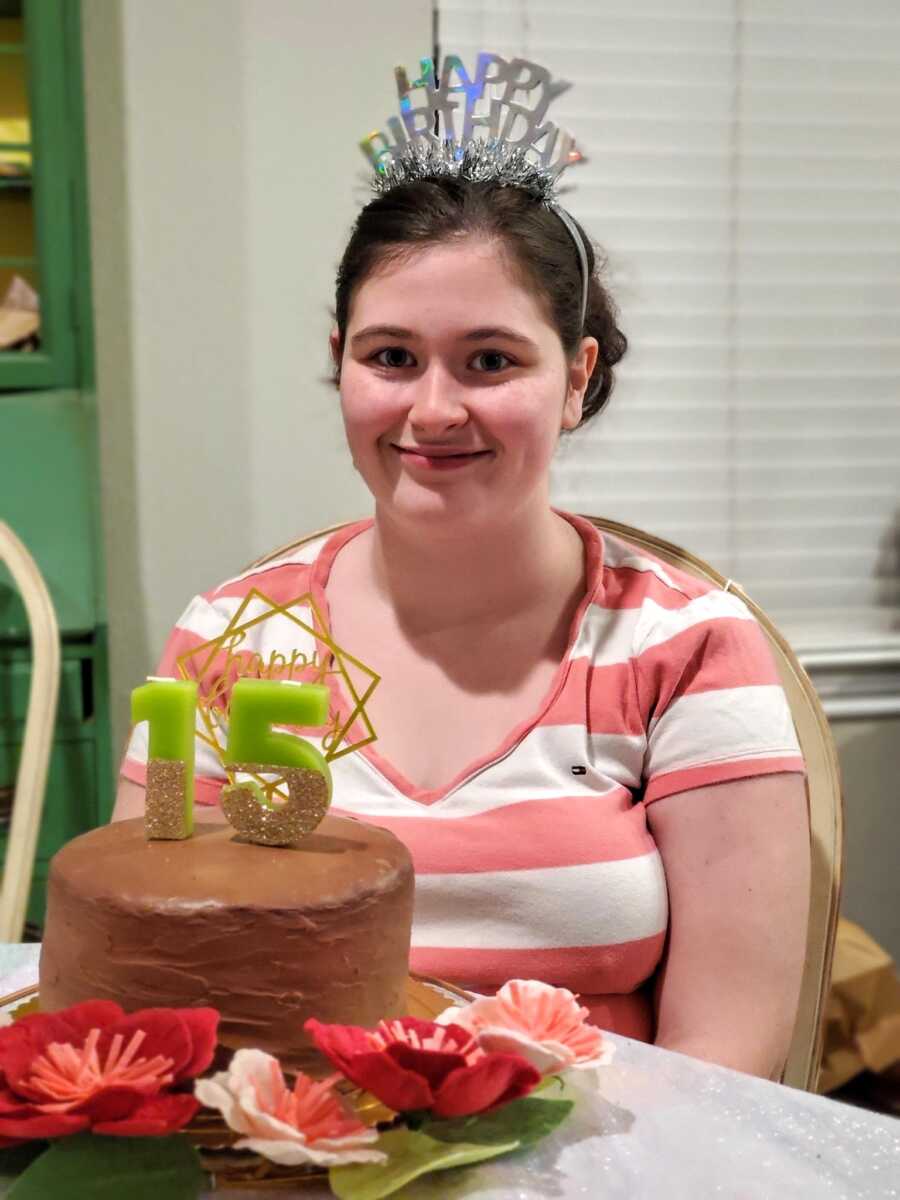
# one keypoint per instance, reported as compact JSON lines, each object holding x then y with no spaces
{"x":587,"y":751}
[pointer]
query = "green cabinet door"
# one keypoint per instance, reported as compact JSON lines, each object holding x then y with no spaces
{"x":69,"y":807}
{"x":77,"y":793}
{"x":47,"y":494}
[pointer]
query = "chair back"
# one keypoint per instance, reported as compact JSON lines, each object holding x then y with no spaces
{"x":823,"y":787}
{"x":31,"y":777}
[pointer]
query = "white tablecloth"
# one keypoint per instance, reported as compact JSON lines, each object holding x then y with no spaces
{"x":666,"y":1127}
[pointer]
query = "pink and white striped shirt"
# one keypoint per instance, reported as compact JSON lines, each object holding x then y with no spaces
{"x":537,"y":860}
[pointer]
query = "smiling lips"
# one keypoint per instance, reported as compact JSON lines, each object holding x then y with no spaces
{"x":439,"y":458}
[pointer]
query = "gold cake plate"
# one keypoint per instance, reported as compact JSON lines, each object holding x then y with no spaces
{"x":425,"y":998}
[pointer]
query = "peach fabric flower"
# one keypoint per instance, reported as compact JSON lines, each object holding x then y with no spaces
{"x":309,"y":1124}
{"x":542,"y":1023}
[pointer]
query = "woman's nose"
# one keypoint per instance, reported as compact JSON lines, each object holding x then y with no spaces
{"x":438,"y":402}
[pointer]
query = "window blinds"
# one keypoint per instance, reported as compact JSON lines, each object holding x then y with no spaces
{"x":742,"y":176}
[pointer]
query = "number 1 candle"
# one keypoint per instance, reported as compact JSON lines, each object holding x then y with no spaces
{"x":170,"y":706}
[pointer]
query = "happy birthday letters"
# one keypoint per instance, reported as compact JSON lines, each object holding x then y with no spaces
{"x":508,"y":99}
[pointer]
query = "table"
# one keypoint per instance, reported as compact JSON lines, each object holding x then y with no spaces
{"x":666,"y":1127}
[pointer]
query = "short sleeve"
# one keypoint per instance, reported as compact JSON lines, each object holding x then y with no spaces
{"x":199,"y":623}
{"x":711,"y":696}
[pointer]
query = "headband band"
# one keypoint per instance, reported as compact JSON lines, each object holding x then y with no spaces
{"x":582,"y":255}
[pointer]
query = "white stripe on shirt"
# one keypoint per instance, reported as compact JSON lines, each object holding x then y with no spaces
{"x":530,"y":909}
{"x":752,"y":722}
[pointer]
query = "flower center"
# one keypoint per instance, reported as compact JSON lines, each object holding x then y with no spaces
{"x":440,"y":1039}
{"x":311,"y":1108}
{"x":68,"y":1076}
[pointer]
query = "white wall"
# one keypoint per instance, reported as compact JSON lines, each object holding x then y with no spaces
{"x":871,"y":778}
{"x":224,"y":176}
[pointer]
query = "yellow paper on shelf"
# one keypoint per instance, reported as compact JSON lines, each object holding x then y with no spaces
{"x":15,"y":130}
{"x":862,"y":1017}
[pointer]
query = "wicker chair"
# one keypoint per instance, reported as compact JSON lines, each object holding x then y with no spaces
{"x":31,"y":778}
{"x":823,"y":792}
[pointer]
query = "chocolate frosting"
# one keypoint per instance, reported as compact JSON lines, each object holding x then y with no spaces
{"x":267,"y":935}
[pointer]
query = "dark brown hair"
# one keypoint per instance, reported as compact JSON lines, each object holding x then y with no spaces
{"x":539,"y":248}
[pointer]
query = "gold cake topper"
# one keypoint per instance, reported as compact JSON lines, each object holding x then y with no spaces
{"x":266,"y":802}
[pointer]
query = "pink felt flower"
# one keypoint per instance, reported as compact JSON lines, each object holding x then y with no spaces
{"x":308,"y":1124}
{"x":544,"y":1024}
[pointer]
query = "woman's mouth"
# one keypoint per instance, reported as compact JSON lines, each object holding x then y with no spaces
{"x":439,"y":458}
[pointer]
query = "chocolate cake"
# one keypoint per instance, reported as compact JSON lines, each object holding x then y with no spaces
{"x":267,"y":935}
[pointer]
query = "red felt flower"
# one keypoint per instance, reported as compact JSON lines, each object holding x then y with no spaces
{"x":93,"y":1067}
{"x":412,"y":1065}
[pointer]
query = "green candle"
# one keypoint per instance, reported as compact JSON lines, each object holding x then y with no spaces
{"x":258,"y":704}
{"x":170,"y":706}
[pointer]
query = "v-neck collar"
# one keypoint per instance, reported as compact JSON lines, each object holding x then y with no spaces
{"x":321,"y":572}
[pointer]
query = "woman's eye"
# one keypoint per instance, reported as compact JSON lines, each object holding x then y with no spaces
{"x":492,"y":361}
{"x":393,"y":356}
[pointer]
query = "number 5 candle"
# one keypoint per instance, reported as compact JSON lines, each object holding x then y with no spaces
{"x":253,"y":746}
{"x":258,"y":704}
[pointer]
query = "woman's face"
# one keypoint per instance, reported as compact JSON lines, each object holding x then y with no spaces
{"x":455,"y":386}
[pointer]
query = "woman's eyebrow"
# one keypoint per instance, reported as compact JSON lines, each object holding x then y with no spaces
{"x":370,"y":331}
{"x":482,"y":334}
{"x":487,"y":332}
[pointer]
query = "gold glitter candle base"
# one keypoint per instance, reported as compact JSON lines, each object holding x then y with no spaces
{"x":164,"y":815}
{"x":289,"y":823}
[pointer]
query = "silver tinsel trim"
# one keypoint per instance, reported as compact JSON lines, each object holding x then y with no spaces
{"x":488,"y":160}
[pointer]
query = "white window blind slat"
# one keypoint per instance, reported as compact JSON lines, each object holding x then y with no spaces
{"x":874,"y":13}
{"x":742,"y":176}
{"x":868,"y":13}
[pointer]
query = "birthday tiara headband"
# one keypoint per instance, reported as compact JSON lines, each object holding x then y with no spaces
{"x":488,"y":128}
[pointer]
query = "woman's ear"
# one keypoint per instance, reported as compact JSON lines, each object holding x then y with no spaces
{"x":334,"y":345}
{"x":581,"y":368}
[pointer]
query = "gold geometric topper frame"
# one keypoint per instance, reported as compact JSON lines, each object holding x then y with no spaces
{"x":334,"y":741}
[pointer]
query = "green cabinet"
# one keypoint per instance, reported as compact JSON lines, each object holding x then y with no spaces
{"x":49,"y":481}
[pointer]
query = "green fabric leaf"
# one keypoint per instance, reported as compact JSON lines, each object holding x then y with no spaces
{"x":411,"y":1154}
{"x":550,"y":1083}
{"x":89,"y":1167}
{"x":526,"y":1120}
